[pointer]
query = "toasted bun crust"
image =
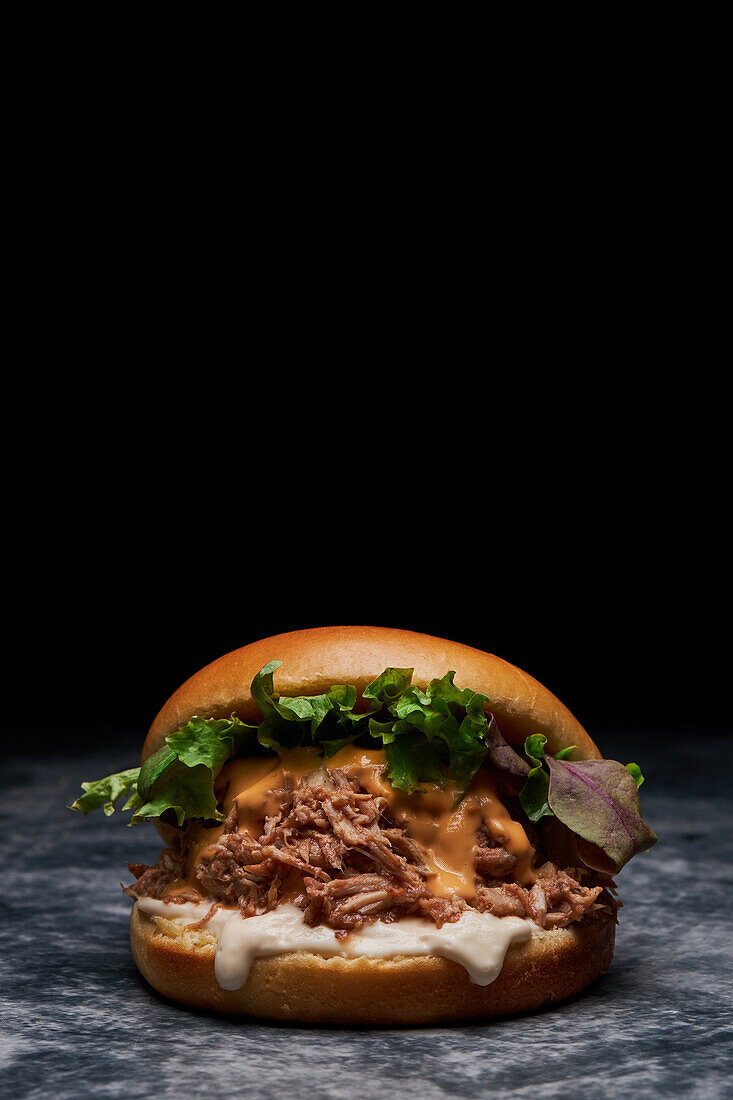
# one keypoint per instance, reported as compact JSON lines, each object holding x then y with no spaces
{"x":315,"y":659}
{"x":550,"y":967}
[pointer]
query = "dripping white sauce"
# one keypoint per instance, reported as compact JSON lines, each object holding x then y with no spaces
{"x":478,"y":941}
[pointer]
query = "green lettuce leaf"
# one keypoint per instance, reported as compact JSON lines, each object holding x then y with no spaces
{"x":388,"y":687}
{"x":179,"y":777}
{"x":411,"y":762}
{"x":452,"y":723}
{"x":186,"y":792}
{"x":153,"y":768}
{"x":636,"y":772}
{"x":440,"y":736}
{"x":534,"y":793}
{"x":301,"y":720}
{"x":105,"y":792}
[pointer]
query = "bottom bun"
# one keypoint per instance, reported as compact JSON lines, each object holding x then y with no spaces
{"x":307,"y":988}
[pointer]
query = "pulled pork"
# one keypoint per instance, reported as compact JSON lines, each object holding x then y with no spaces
{"x":333,"y":850}
{"x":151,"y":882}
{"x":353,"y":864}
{"x":555,"y":900}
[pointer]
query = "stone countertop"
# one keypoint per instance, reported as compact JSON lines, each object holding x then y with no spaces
{"x":78,"y":1020}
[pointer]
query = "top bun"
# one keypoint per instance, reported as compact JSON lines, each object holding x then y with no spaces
{"x":315,"y":659}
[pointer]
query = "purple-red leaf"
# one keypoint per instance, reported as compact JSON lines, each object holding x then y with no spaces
{"x":504,"y":758}
{"x":599,"y":801}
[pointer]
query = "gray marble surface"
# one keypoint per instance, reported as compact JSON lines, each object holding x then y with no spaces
{"x":77,"y":1019}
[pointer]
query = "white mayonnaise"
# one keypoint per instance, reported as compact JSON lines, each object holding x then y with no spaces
{"x":478,"y":941}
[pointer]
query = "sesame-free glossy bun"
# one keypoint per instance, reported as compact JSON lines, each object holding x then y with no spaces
{"x":315,"y":659}
{"x":306,"y":988}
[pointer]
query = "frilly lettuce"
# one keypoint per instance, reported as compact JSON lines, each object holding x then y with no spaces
{"x":442,"y":735}
{"x":178,"y":778}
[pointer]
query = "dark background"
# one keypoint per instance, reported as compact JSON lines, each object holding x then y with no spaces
{"x":372,"y":396}
{"x":526,"y":451}
{"x":591,"y":556}
{"x":534,"y":461}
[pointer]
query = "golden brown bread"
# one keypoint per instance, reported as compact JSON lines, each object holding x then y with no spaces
{"x":552,"y":966}
{"x":315,"y":659}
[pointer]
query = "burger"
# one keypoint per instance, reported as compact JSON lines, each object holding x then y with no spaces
{"x":373,"y":826}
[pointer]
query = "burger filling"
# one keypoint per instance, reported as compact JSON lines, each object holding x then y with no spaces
{"x":410,"y":804}
{"x":346,"y":849}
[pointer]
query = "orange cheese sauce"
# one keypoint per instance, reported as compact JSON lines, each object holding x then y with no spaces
{"x":253,"y":784}
{"x":447,"y":835}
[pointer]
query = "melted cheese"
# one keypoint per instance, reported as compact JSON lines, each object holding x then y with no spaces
{"x":478,"y":941}
{"x":253,"y":784}
{"x":446,"y":834}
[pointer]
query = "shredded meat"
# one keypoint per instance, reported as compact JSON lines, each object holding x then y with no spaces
{"x":354,"y":865}
{"x":335,"y":852}
{"x":152,"y":881}
{"x":555,"y":900}
{"x":491,"y":859}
